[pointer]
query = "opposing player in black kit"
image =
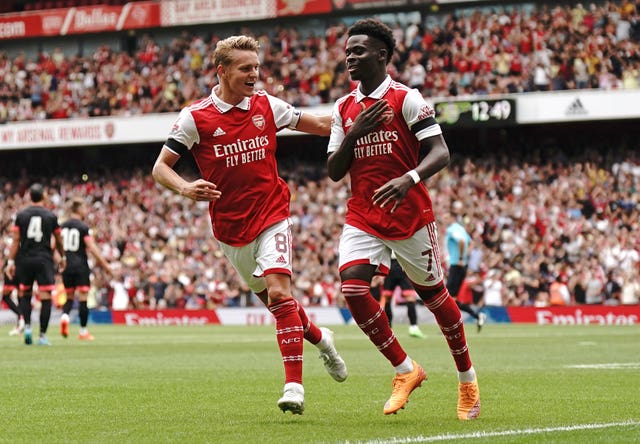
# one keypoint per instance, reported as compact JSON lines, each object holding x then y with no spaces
{"x":77,"y":240}
{"x":31,"y":255}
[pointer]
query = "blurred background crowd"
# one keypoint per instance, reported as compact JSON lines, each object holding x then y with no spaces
{"x":540,"y":224}
{"x":554,"y":220}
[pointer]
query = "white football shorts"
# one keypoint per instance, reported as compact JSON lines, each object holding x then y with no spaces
{"x":418,"y":255}
{"x":269,"y":253}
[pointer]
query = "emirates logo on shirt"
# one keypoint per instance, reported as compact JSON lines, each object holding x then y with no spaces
{"x":258,"y":121}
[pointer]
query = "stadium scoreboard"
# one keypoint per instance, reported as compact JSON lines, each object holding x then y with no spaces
{"x":476,"y":113}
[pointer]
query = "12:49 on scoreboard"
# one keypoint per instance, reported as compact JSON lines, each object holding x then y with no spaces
{"x":476,"y":113}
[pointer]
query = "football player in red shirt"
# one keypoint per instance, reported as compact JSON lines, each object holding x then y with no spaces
{"x":378,"y":133}
{"x":232,"y":137}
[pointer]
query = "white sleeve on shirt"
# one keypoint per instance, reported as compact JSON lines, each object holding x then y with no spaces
{"x":337,"y":133}
{"x":184,"y":130}
{"x":415,"y":109}
{"x":284,"y":114}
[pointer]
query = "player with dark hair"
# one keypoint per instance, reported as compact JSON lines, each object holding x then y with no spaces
{"x":232,"y":136}
{"x":76,"y":277}
{"x":31,"y":254}
{"x":379,"y":133}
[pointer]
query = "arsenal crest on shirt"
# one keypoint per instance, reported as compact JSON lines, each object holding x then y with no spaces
{"x":258,"y":121}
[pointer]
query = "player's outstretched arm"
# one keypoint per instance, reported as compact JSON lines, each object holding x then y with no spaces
{"x":165,"y":175}
{"x":312,"y":124}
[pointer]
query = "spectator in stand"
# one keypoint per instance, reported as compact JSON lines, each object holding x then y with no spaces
{"x":377,"y":134}
{"x":167,"y":236}
{"x":241,"y":183}
{"x":494,"y":289}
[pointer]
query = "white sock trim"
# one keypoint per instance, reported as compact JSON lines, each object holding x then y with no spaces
{"x":405,"y":367}
{"x":468,"y":376}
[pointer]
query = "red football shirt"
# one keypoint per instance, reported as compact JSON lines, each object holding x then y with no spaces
{"x":235,"y":148}
{"x":384,"y":154}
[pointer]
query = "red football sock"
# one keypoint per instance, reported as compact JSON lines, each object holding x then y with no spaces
{"x":311,"y":331}
{"x":372,"y":320}
{"x":449,"y":319}
{"x":290,"y":335}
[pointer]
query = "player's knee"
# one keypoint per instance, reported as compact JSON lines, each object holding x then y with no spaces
{"x":277,"y":293}
{"x":427,"y":293}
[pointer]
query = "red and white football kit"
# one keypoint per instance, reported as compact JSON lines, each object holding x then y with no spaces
{"x":235,"y":148}
{"x":371,"y":232}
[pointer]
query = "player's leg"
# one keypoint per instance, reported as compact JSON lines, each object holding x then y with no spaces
{"x":266,"y":262}
{"x":45,"y":316}
{"x":385,"y":296}
{"x":290,"y":336}
{"x":83,"y":314}
{"x":70,"y":290}
{"x":46,"y":284}
{"x":410,"y":297}
{"x":420,"y":258}
{"x":8,"y":287}
{"x":25,"y":279}
{"x":360,"y":256}
{"x":322,"y":338}
{"x":24,"y":301}
{"x":455,"y":278}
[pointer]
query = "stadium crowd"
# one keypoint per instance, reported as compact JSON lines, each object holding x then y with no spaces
{"x":546,"y":230}
{"x":502,"y":49}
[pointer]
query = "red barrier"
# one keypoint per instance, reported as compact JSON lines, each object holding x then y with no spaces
{"x":153,"y":318}
{"x":577,"y":315}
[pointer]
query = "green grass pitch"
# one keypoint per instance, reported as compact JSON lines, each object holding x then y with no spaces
{"x":539,"y":384}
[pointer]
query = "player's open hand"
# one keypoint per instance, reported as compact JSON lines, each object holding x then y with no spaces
{"x":370,"y":118}
{"x":393,"y":191}
{"x":201,"y":190}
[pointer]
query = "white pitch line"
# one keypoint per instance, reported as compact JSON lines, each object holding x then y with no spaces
{"x":607,"y":366}
{"x":435,"y":438}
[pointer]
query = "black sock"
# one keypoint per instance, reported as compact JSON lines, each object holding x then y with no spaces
{"x":68,"y":305}
{"x":389,"y":310}
{"x":411,"y":313}
{"x":12,"y":305}
{"x":468,"y":309}
{"x":25,"y":306}
{"x":84,"y":313}
{"x":45,"y":315}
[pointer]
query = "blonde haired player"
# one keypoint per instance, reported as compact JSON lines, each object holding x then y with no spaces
{"x":232,"y":136}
